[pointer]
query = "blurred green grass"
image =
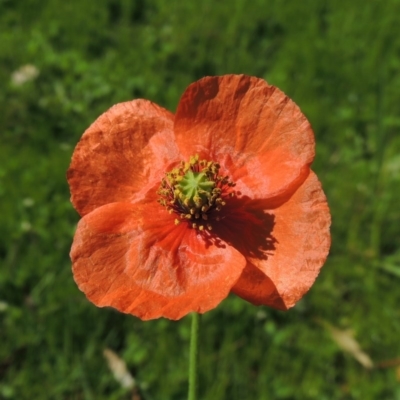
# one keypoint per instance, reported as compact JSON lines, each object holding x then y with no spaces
{"x":340,"y":61}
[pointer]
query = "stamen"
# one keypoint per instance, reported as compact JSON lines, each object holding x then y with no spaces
{"x":194,"y":190}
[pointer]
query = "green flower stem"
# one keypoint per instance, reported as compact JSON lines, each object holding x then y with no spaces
{"x":193,"y":356}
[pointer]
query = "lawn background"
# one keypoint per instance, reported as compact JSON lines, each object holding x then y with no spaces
{"x":340,"y":62}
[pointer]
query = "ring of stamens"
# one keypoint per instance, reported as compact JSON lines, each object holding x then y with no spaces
{"x":195,"y":192}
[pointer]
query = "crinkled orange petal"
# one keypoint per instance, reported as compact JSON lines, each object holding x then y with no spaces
{"x":300,"y":244}
{"x":251,"y":128}
{"x":135,"y":259}
{"x":121,"y":155}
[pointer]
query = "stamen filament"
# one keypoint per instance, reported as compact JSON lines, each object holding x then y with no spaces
{"x":194,"y":190}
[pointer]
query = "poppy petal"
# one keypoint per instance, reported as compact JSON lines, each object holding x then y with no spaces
{"x":134,"y":258}
{"x":250,"y":127}
{"x":120,"y":155}
{"x":301,"y":244}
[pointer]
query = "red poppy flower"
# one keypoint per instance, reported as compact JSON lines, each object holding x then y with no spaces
{"x":179,"y":211}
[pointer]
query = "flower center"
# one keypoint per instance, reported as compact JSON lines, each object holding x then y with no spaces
{"x":195,"y":192}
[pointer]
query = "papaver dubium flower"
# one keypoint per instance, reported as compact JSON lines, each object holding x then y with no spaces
{"x":180,"y":210}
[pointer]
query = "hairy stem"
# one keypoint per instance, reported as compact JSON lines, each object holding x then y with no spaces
{"x":193,"y":356}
